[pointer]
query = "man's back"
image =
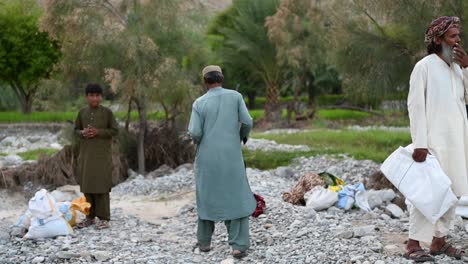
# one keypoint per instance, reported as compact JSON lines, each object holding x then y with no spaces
{"x":220,"y":111}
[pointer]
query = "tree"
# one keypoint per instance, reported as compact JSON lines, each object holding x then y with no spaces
{"x":246,"y":50}
{"x":377,"y":43}
{"x":27,"y":54}
{"x":299,"y":30}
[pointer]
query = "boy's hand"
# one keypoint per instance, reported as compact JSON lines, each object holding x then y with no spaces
{"x":92,"y":132}
{"x":84,"y":133}
{"x":89,"y":132}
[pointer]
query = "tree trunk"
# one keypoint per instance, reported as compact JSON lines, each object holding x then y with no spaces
{"x":141,"y":134}
{"x":26,"y":105}
{"x":272,"y":108}
{"x":25,"y":99}
{"x":311,"y":89}
{"x":129,"y":112}
{"x":251,"y":96}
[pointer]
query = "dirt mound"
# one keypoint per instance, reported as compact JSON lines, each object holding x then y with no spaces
{"x":56,"y":170}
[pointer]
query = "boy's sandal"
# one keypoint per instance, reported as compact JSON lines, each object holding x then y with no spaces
{"x":418,"y":255}
{"x":102,"y":224}
{"x":450,"y":251}
{"x":239,"y":254}
{"x":87,"y":222}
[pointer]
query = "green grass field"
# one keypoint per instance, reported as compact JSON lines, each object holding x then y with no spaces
{"x":374,"y":145}
{"x":324,"y":115}
{"x":48,"y":117}
{"x":34,"y":154}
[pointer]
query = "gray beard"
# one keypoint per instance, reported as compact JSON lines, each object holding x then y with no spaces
{"x":446,"y":53}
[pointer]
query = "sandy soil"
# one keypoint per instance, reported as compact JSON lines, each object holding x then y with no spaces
{"x":151,"y":209}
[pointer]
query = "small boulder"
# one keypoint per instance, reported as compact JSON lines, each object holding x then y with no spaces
{"x":394,"y":211}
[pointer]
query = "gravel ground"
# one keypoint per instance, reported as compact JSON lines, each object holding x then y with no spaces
{"x":284,"y":234}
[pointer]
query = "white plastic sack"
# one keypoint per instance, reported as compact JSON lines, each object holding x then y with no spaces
{"x":321,"y":198}
{"x":55,"y":227}
{"x":43,"y":205}
{"x":25,"y":220}
{"x":424,"y":184}
{"x":353,"y":195}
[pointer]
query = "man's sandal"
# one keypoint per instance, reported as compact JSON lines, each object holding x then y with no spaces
{"x":418,"y":255}
{"x":87,"y":222}
{"x":450,"y":251}
{"x":202,"y":248}
{"x":239,"y":254}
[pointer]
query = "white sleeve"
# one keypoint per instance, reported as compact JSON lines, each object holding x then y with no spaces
{"x":417,"y":106}
{"x":465,"y":83}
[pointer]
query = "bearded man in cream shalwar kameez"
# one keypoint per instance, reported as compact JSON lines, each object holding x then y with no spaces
{"x":439,"y":126}
{"x":219,"y":121}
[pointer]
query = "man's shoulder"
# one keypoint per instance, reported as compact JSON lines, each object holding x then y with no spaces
{"x":426,"y":61}
{"x":232,"y":93}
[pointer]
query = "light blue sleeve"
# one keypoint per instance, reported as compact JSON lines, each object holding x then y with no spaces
{"x":244,"y":118}
{"x":195,"y":128}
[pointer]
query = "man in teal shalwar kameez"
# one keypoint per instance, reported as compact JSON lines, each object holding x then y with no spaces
{"x":219,"y":121}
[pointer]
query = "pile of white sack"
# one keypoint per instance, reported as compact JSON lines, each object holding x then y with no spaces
{"x":343,"y":197}
{"x":51,"y":215}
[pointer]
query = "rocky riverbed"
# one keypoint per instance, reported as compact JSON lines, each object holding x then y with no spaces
{"x":163,"y":230}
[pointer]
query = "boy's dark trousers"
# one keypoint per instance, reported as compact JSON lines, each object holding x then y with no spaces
{"x":100,"y":205}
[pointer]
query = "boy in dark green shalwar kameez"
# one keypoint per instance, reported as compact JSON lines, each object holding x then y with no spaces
{"x":95,"y":125}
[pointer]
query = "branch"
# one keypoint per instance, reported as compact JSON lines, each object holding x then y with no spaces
{"x":372,"y":19}
{"x":113,"y":10}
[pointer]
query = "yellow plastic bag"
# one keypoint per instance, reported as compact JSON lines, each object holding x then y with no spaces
{"x":80,"y":204}
{"x":336,"y":188}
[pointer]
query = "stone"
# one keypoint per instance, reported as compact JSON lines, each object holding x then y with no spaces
{"x":374,"y":199}
{"x":227,"y":261}
{"x":66,"y":255}
{"x":385,"y":217}
{"x":56,"y":146}
{"x":285,"y":172}
{"x":101,"y":255}
{"x":12,"y":160}
{"x":4,"y":236}
{"x":363,"y":231}
{"x":387,"y":195}
{"x":394,"y":211}
{"x":392,"y":250}
{"x":345,"y":234}
{"x":379,"y":262}
{"x":268,"y":226}
{"x":38,"y":260}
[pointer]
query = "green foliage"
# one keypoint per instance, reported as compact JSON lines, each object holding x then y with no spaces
{"x":239,"y":37}
{"x":8,"y":100}
{"x":34,"y":154}
{"x":260,"y":101}
{"x":270,"y":160}
{"x":375,"y":145}
{"x":47,"y":117}
{"x":330,"y":99}
{"x":342,"y":114}
{"x":27,"y":54}
{"x":377,"y":43}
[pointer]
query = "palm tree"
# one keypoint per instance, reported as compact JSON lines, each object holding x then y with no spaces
{"x":246,"y":46}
